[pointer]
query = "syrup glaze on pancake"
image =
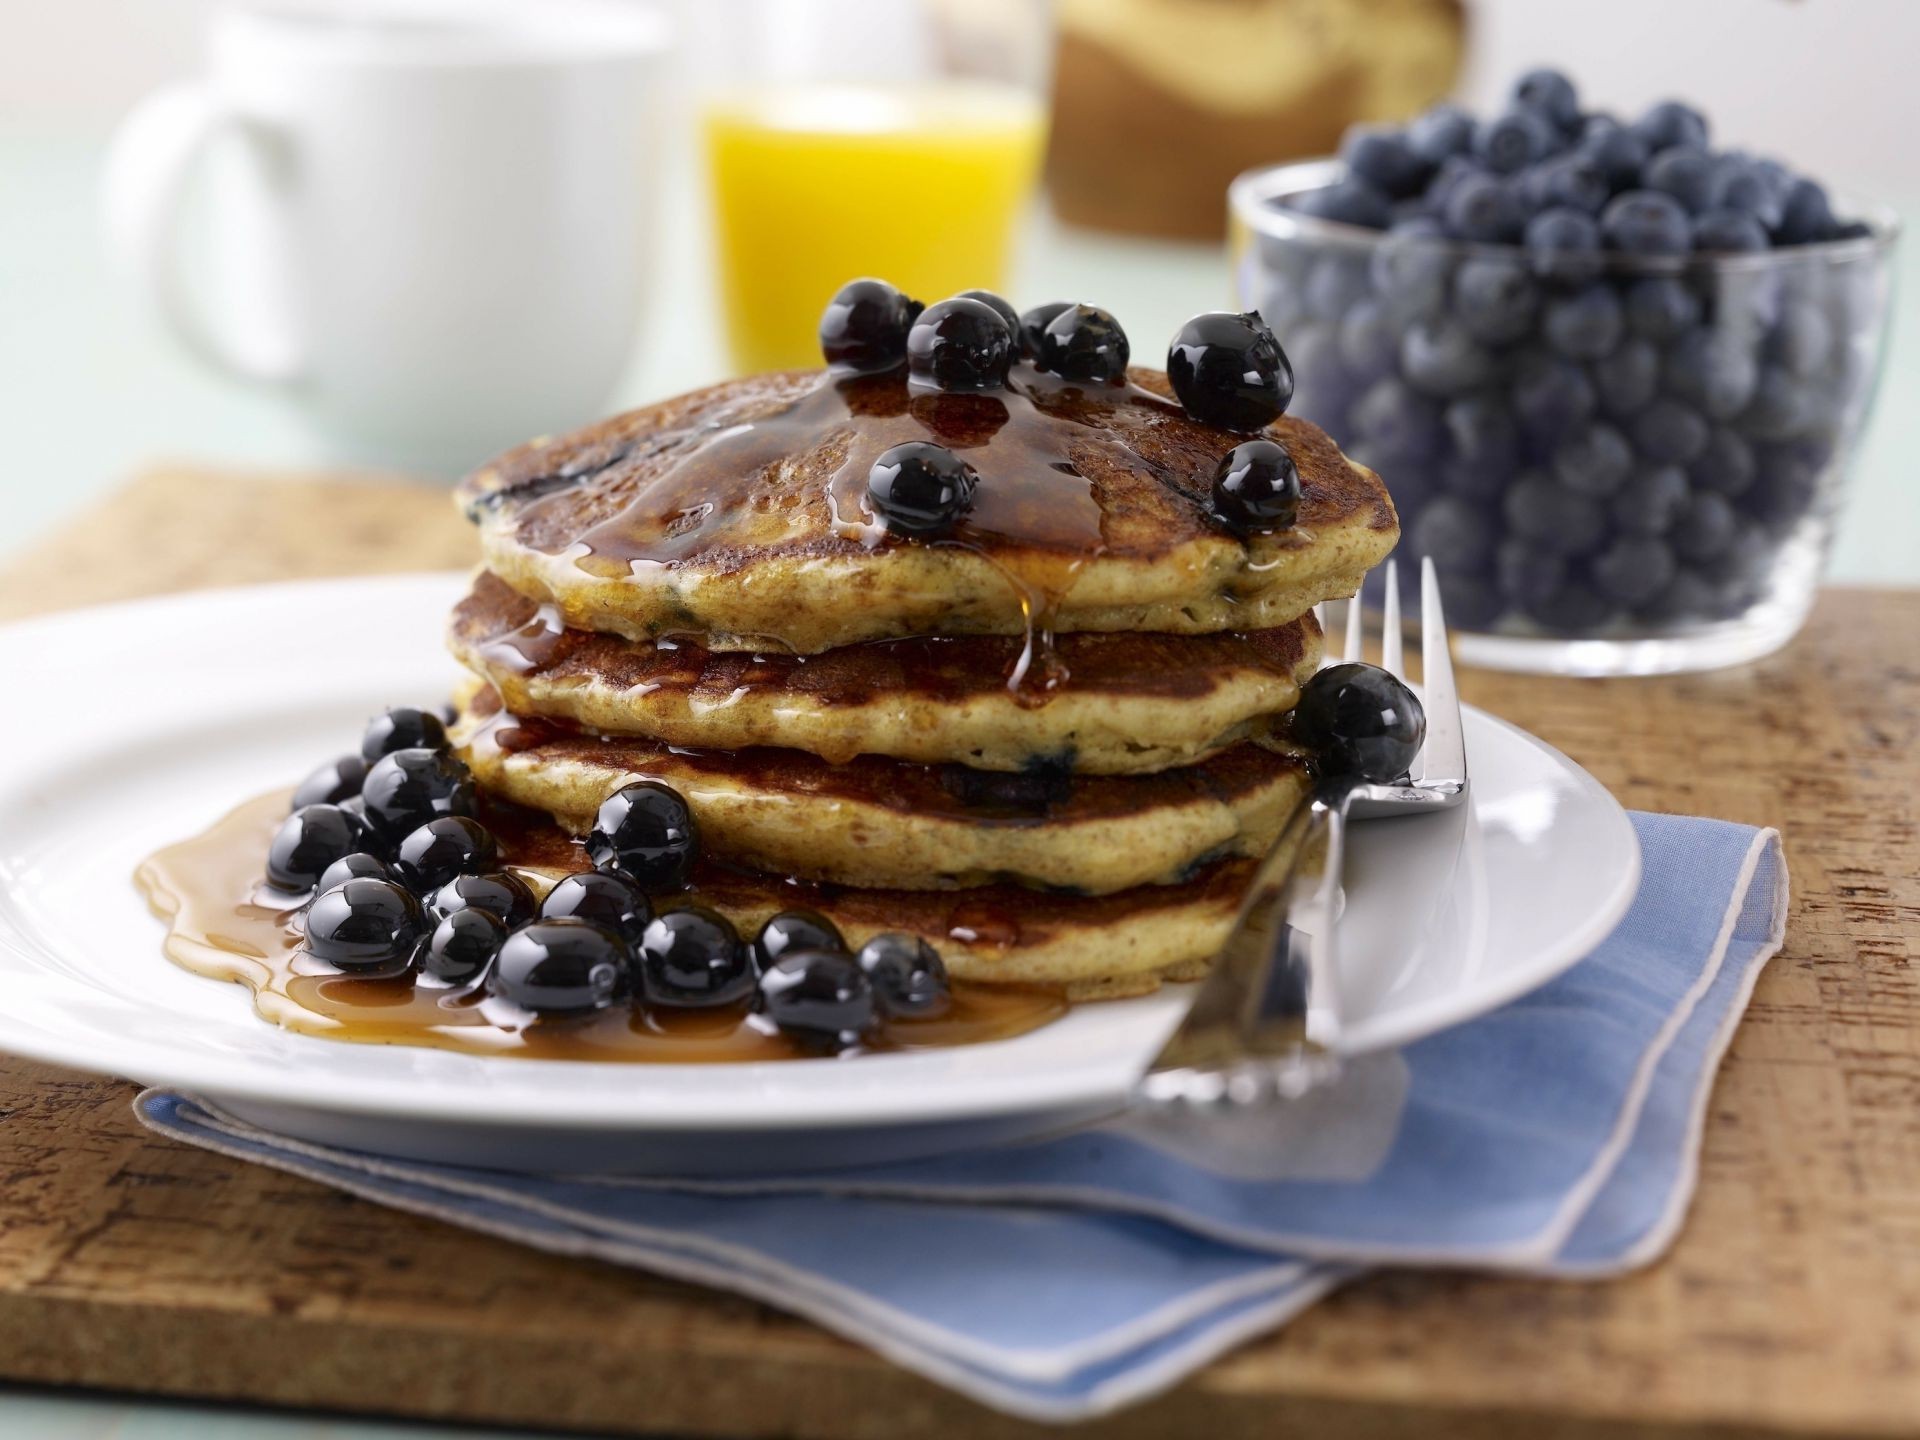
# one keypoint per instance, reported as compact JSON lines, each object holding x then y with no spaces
{"x":1127,"y":703}
{"x":882,"y":823}
{"x":738,"y":513}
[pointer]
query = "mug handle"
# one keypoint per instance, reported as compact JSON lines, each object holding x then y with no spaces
{"x":152,"y":156}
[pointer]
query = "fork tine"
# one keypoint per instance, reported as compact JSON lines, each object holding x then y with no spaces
{"x":1356,"y":629}
{"x":1390,"y":657}
{"x":1444,"y":755}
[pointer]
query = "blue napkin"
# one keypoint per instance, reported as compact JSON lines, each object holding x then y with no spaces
{"x":1062,"y":1278}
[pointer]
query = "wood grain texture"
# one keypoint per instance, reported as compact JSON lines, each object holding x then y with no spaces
{"x":1790,"y":1306}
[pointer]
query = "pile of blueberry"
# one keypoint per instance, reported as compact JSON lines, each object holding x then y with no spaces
{"x":1227,"y":370}
{"x":1596,"y":361}
{"x":394,"y":877}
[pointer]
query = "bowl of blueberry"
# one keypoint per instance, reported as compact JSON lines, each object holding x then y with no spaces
{"x":1611,"y":373}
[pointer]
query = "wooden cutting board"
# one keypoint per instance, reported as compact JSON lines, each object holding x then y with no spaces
{"x":1790,"y":1306}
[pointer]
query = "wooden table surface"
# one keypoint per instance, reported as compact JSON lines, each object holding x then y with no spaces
{"x":1791,"y":1304}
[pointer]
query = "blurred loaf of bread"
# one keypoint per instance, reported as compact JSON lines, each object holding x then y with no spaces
{"x":1159,"y":103}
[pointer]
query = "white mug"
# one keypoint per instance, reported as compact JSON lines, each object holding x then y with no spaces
{"x":427,"y":222}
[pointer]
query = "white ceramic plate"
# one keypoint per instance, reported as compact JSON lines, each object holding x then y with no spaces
{"x":149,"y":721}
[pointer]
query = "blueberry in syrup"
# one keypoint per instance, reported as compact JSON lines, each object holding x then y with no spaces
{"x":501,"y":894}
{"x":308,"y":841}
{"x":402,"y":728}
{"x":331,"y":783}
{"x":1358,"y":720}
{"x":999,"y":305}
{"x":358,"y":865}
{"x":794,"y":930}
{"x":645,"y":831}
{"x":1228,"y":370}
{"x":462,"y":946}
{"x":691,"y":958}
{"x":909,"y":978}
{"x":920,"y":488}
{"x":818,"y":997}
{"x":1033,"y":324}
{"x":427,"y":858}
{"x":864,"y":328}
{"x":1256,"y":488}
{"x":960,"y":344}
{"x":561,"y":967}
{"x":605,"y":897}
{"x":407,"y":788}
{"x":364,"y":922}
{"x":1084,"y":342}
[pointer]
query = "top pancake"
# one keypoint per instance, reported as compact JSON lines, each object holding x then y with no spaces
{"x":738,"y":514}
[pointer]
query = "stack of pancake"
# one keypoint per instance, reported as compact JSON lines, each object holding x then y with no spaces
{"x":1048,"y":741}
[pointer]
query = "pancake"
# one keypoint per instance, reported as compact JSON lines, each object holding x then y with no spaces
{"x":1117,"y":704}
{"x":885,"y":824}
{"x":1093,"y":947}
{"x":737,"y":515}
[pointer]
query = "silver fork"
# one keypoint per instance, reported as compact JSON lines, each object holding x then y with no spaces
{"x":1246,"y":1040}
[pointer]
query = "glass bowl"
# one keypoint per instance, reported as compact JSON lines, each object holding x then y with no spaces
{"x":1624,"y":466}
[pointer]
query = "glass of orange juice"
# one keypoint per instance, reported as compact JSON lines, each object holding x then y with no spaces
{"x":895,"y":138}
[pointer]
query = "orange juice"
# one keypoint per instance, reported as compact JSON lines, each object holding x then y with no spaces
{"x":814,"y":186}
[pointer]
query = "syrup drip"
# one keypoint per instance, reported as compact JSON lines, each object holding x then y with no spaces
{"x":223,"y":924}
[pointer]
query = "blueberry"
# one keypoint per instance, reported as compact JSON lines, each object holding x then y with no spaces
{"x":1334,"y":284}
{"x":407,"y":788}
{"x":1779,"y":408}
{"x":357,"y":865}
{"x":1688,"y":596}
{"x":1725,"y":231}
{"x":1627,"y":377}
{"x":1669,"y":433}
{"x":1084,"y":343}
{"x":333,"y":782}
{"x":794,"y":930}
{"x":920,"y":488}
{"x":863,"y":330}
{"x":1410,"y":269}
{"x":1563,"y":245}
{"x":500,"y":893}
{"x":1593,"y":461}
{"x":1569,"y":182}
{"x":307,"y":842}
{"x":1575,"y":608}
{"x":820,"y":997}
{"x":1528,"y":573}
{"x":690,"y":958}
{"x":1651,"y":502}
{"x":427,"y":858}
{"x":1359,"y":720}
{"x":1613,"y":149}
{"x":1441,"y":358}
{"x":1454,"y":172}
{"x":1549,"y":94}
{"x":1384,"y":157}
{"x":1230,"y":371}
{"x":1472,"y":601}
{"x":1348,"y":202}
{"x":561,"y":967}
{"x":1033,"y":325}
{"x":1806,"y":215}
{"x":1540,"y":509}
{"x":1494,"y":299}
{"x":1586,"y":325}
{"x":364,"y":922}
{"x":999,"y":305}
{"x":1367,"y":343}
{"x":1509,"y":143}
{"x":1801,"y":342}
{"x":1443,"y":131}
{"x":1646,"y":222}
{"x":1456,"y":533}
{"x":606,"y":897}
{"x":1633,"y":569}
{"x":1743,"y":187}
{"x":1670,"y":123}
{"x":1786,"y":486}
{"x":1550,"y":396}
{"x":1660,"y":308}
{"x":1703,"y":527}
{"x":1483,"y":433}
{"x":462,"y":946}
{"x":1713,"y":372}
{"x":402,"y":728}
{"x":909,"y":978}
{"x":1397,"y":422}
{"x":1688,"y":175}
{"x":1485,"y":208}
{"x":959,"y":344}
{"x":645,"y":831}
{"x":1256,"y":488}
{"x":1725,"y":464}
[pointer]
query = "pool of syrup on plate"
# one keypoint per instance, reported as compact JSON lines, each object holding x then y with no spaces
{"x":223,"y":923}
